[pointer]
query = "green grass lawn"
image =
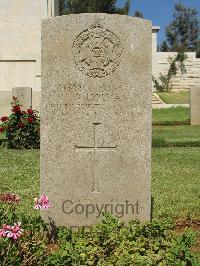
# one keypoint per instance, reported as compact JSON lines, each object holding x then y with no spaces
{"x":176,"y":183}
{"x":175,"y":180}
{"x":19,"y":173}
{"x":171,"y":114}
{"x":180,"y":97}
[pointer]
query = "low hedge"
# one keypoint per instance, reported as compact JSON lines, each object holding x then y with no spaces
{"x":158,"y":142}
{"x":171,"y":123}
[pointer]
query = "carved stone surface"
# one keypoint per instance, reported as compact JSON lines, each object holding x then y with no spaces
{"x":195,"y":106}
{"x":96,"y":118}
{"x":97,"y":51}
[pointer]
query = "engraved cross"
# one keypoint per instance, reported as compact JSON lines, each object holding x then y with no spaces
{"x":95,"y":149}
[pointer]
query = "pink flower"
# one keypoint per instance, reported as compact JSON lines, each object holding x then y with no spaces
{"x":9,"y":198}
{"x":9,"y":231}
{"x":42,"y":203}
{"x":5,"y":230}
{"x":16,"y":231}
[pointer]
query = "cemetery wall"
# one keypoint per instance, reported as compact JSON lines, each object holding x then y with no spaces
{"x":20,"y":46}
{"x":182,"y":81}
{"x":160,"y":64}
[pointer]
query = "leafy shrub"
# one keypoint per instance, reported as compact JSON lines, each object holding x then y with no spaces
{"x":111,"y":243}
{"x":21,"y":128}
{"x":159,"y":142}
{"x":30,"y":247}
{"x":107,"y":243}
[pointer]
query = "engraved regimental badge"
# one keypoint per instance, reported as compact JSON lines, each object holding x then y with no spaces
{"x":97,"y":52}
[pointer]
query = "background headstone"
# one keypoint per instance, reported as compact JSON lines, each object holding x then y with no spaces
{"x":195,"y":106}
{"x":96,"y":118}
{"x":24,"y":96}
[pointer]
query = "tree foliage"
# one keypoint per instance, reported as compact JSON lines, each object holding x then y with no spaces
{"x":164,"y":47}
{"x":183,"y":33}
{"x":93,"y":6}
{"x":138,"y":14}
